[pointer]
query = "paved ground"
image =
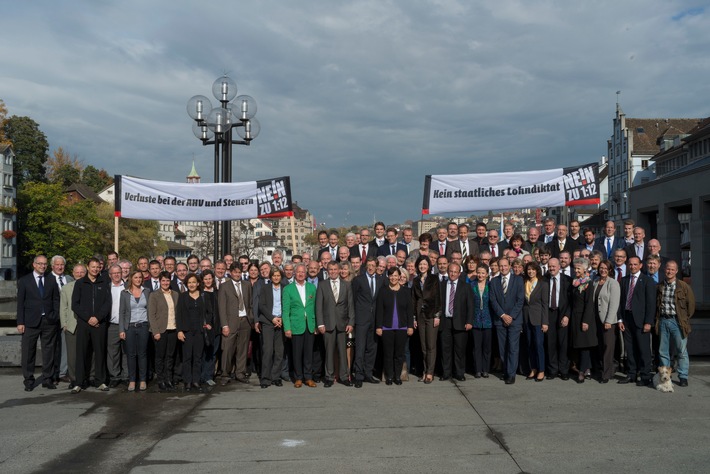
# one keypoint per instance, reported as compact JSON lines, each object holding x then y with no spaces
{"x":478,"y":425}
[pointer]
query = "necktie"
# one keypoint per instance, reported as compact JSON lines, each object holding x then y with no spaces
{"x":238,"y":287}
{"x":442,"y":248}
{"x":632,"y":285}
{"x":553,"y":295}
{"x":464,"y":250}
{"x":61,"y":281}
{"x":639,"y":252}
{"x":181,"y":286}
{"x":618,"y":275}
{"x":493,"y":250}
{"x":332,"y":253}
{"x":393,"y":251}
{"x":562,"y":245}
{"x":372,"y":285}
{"x":363,"y":257}
{"x":452,"y":293}
{"x":155,"y":284}
{"x":335,"y":290}
{"x":40,"y":285}
{"x":608,"y":247}
{"x":505,"y":284}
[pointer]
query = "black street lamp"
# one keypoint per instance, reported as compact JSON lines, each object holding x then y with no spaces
{"x":213,"y":126}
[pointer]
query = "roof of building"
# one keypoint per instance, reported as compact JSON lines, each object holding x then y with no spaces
{"x":4,"y":147}
{"x":646,"y":132}
{"x":700,"y":130}
{"x":85,"y":192}
{"x":176,"y":246}
{"x":193,"y":172}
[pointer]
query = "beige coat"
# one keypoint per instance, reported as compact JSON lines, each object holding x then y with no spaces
{"x":158,"y":311}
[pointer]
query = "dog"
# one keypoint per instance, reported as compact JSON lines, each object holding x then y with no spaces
{"x":662,"y":380}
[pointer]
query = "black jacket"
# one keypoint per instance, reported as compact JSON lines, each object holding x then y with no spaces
{"x":92,"y":298}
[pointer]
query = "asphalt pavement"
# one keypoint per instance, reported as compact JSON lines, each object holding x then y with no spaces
{"x":479,"y":425}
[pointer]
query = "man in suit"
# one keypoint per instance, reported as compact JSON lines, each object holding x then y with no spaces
{"x":507,"y":297}
{"x":561,"y":242}
{"x":379,"y":239}
{"x":654,"y":248}
{"x":365,"y":289}
{"x":638,"y":248}
{"x":457,"y":321}
{"x":467,"y":246}
{"x":609,"y":241}
{"x":335,"y":318}
{"x":653,"y":268}
{"x":234,"y":303}
{"x":533,"y":240}
{"x":269,"y":317}
{"x":494,"y":246}
{"x":91,"y":302}
{"x":559,"y":312}
{"x":68,"y":321}
{"x":591,"y":243}
{"x":299,"y":323}
{"x":442,"y":245}
{"x":637,"y":312}
{"x":391,"y":246}
{"x":508,"y":232}
{"x":332,"y":247}
{"x":38,"y":318}
{"x":178,"y":281}
{"x":153,"y":282}
{"x":365,"y":248}
{"x":408,"y":240}
{"x":549,"y":228}
{"x":629,"y":226}
{"x":619,"y":264}
{"x":58,"y":264}
{"x":575,"y":232}
{"x":481,"y":236}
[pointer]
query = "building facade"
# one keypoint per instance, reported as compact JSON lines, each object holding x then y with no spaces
{"x":8,"y":214}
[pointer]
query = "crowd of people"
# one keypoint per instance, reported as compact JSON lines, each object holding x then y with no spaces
{"x":560,"y":303}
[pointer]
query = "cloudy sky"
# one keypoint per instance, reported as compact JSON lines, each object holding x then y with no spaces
{"x":357,"y":100}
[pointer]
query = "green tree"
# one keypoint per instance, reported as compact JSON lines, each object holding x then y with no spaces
{"x":50,"y":225}
{"x":64,"y":169}
{"x":136,"y":237}
{"x":96,"y":179}
{"x":30,"y":146}
{"x":3,"y":117}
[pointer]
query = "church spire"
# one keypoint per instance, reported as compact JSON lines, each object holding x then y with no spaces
{"x":193,"y":177}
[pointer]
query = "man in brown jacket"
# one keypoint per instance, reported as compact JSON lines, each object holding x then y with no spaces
{"x":675,"y":306}
{"x":234,"y":302}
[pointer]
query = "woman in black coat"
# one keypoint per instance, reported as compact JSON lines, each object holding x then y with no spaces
{"x":536,"y":315}
{"x":427,"y":307}
{"x":394,"y":321}
{"x":193,"y":316}
{"x":213,"y":335}
{"x":583,"y":324}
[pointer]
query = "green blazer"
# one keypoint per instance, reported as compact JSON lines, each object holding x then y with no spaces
{"x":295,"y":315}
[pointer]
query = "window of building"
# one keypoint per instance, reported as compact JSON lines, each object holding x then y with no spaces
{"x":644,"y":164}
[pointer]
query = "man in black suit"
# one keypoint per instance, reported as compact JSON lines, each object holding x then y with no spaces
{"x":533,"y":240}
{"x":609,"y":241}
{"x":495,"y":246}
{"x":467,"y":246}
{"x":591,"y":243}
{"x":443,"y":246}
{"x":38,"y":318}
{"x":379,"y":239}
{"x":178,"y":281}
{"x":322,"y":242}
{"x":562,"y":242}
{"x":638,"y":248}
{"x":91,"y":302}
{"x":153,"y":283}
{"x":391,"y":246}
{"x":332,"y":246}
{"x":507,"y":295}
{"x":456,"y":322}
{"x":366,"y":248}
{"x":365,"y":289}
{"x":481,"y":236}
{"x":557,"y":333}
{"x":637,"y":312}
{"x":549,"y":227}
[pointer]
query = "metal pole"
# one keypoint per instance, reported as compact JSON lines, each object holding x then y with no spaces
{"x":216,"y":223}
{"x":226,"y":178}
{"x":115,"y":234}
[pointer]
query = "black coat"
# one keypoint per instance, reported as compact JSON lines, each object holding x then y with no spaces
{"x":92,"y":299}
{"x":385,"y":307}
{"x":427,"y":301}
{"x":188,"y":321}
{"x":583,"y":312}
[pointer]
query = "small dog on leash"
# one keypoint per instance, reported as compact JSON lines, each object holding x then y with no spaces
{"x":662,"y":379}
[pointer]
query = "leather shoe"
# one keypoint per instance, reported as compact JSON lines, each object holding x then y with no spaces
{"x":316,"y":380}
{"x":625,"y":380}
{"x":326,"y":384}
{"x":224,"y":381}
{"x":49,"y":385}
{"x":643,"y":383}
{"x":398,"y":381}
{"x":298,"y":384}
{"x":114,"y":383}
{"x":461,"y":378}
{"x":682,"y":382}
{"x":477,"y":375}
{"x":564,"y":377}
{"x":550,"y":377}
{"x":345,"y":382}
{"x":484,"y":375}
{"x":162,"y":387}
{"x":241,"y":379}
{"x":604,"y":381}
{"x":277,"y":382}
{"x":388,"y":382}
{"x":443,"y":379}
{"x":358,"y":384}
{"x":265,"y":385}
{"x":371,"y":380}
{"x":29,"y":388}
{"x":311,"y":383}
{"x":510,"y":380}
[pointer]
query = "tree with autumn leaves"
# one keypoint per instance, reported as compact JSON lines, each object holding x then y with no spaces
{"x":47,"y":222}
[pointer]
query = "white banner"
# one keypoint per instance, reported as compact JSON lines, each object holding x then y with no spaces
{"x":160,"y":200}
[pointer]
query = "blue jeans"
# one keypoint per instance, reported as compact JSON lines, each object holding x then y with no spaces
{"x":137,"y":352}
{"x":671,"y":334}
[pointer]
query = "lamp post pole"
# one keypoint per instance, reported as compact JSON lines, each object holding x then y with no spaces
{"x":213,"y":126}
